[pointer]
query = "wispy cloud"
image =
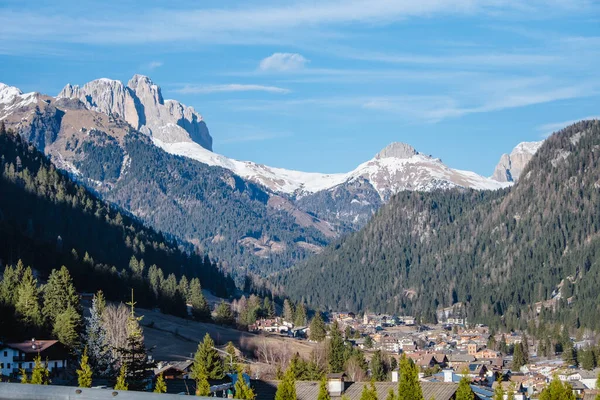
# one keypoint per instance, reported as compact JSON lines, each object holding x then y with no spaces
{"x":228,"y":88}
{"x":154,"y":64}
{"x":156,"y":25}
{"x":549,"y":128}
{"x":283,"y":62}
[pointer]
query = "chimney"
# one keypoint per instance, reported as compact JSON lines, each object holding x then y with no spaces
{"x":395,"y":374}
{"x":448,"y":373}
{"x":335,"y":384}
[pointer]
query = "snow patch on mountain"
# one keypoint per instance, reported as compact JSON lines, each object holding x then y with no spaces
{"x":397,"y":167}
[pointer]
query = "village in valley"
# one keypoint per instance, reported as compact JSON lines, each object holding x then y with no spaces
{"x":274,"y":349}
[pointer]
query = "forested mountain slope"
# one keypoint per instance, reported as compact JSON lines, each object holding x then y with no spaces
{"x":47,"y":220}
{"x":498,"y":252}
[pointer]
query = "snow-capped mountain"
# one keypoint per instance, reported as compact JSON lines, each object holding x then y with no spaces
{"x":397,"y":167}
{"x":511,"y":165}
{"x":141,"y":104}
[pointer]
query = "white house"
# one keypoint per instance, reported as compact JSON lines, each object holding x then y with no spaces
{"x":14,"y":356}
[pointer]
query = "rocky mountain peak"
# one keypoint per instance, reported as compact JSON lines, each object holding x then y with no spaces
{"x":141,"y":104}
{"x":397,"y":150}
{"x":511,"y":165}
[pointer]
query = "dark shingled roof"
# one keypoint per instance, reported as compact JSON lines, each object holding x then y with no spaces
{"x":309,"y":390}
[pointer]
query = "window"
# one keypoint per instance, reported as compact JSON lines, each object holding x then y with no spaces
{"x":55,"y":364}
{"x":6,"y":354}
{"x":20,"y":365}
{"x":30,"y":365}
{"x":8,"y":365}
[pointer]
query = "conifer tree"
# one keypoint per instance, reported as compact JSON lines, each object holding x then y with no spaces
{"x":337,"y":349}
{"x":200,"y":376}
{"x":134,"y":355}
{"x":557,"y":390}
{"x":224,"y":316}
{"x":269,"y":307}
{"x":59,"y":294}
{"x":518,"y":357}
{"x":200,"y":308}
{"x":288,"y":311}
{"x":84,"y":373}
{"x":121,"y":383}
{"x":11,"y":278}
{"x":66,"y":327}
{"x":23,"y":374}
{"x":160,"y":386}
{"x":208,"y":358}
{"x":323,"y":391}
{"x":317,"y":328}
{"x":287,"y":387}
{"x":499,"y":391}
{"x":232,"y":360}
{"x":241,"y":388}
{"x":27,"y":305}
{"x":408,"y":384}
{"x":95,"y":338}
{"x":40,"y":374}
{"x":378,"y":371}
{"x":369,"y":393}
{"x":464,"y":391}
{"x":391,"y":395}
{"x":300,"y":315}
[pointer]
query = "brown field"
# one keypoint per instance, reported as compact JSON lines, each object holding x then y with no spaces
{"x":173,"y":338}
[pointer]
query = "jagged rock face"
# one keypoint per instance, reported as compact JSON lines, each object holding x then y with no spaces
{"x":141,"y":104}
{"x":511,"y":165}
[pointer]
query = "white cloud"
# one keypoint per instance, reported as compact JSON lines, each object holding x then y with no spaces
{"x":282,"y":62}
{"x":232,"y":87}
{"x":154,"y":64}
{"x":249,"y":24}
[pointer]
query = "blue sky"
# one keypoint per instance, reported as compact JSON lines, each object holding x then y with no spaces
{"x":324,"y":85}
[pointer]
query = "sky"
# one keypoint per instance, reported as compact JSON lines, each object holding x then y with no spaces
{"x":324,"y":85}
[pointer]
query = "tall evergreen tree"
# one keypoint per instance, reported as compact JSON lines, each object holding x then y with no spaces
{"x":232,"y":359}
{"x":224,"y":316}
{"x":317,"y":328}
{"x":27,"y":306}
{"x":241,"y":388}
{"x":40,"y":374}
{"x":200,"y":308}
{"x":201,"y":378}
{"x":160,"y":386}
{"x":288,"y":311}
{"x":323,"y":391}
{"x":408,"y":384}
{"x":84,"y":373}
{"x":464,"y":391}
{"x":557,"y":390}
{"x":337,"y":349}
{"x":378,"y":370}
{"x":59,"y":294}
{"x":300,"y":318}
{"x":121,"y":383}
{"x":498,"y":392}
{"x":66,"y":327}
{"x":95,"y":338}
{"x":134,"y":355}
{"x":369,"y":392}
{"x":287,"y":387}
{"x":518,"y":357}
{"x":207,"y":360}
